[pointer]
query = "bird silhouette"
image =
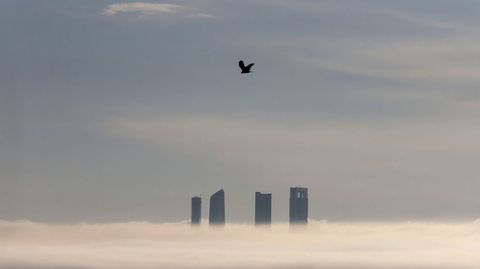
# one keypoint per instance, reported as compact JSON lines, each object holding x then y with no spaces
{"x":245,"y":69}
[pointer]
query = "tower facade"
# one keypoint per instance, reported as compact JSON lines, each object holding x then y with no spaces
{"x":196,"y":210}
{"x":298,"y":205}
{"x":216,"y":214}
{"x":263,"y":208}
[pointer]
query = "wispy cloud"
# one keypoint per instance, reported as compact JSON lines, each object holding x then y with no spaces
{"x":148,"y":10}
{"x":441,"y":60}
{"x":320,"y":245}
{"x":300,"y":148}
{"x":334,"y":159}
{"x":400,"y":44}
{"x":143,"y":8}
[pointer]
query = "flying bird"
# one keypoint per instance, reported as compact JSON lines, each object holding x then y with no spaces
{"x":245,"y":69}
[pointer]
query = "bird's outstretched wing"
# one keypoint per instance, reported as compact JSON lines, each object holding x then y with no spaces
{"x":249,"y":66}
{"x":242,"y":65}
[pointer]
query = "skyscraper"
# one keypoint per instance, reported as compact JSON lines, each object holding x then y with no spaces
{"x":217,"y":208}
{"x":298,"y":205}
{"x":196,"y":210}
{"x":263,"y":208}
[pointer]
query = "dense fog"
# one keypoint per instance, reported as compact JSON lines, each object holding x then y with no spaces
{"x":322,"y":244}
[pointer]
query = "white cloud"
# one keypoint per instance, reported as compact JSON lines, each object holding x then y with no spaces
{"x":148,"y":10}
{"x":144,"y":8}
{"x":320,"y":245}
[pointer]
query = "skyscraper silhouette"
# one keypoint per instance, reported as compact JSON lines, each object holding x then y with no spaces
{"x":196,"y":210}
{"x":217,"y":208}
{"x":263,"y":208}
{"x":298,"y":205}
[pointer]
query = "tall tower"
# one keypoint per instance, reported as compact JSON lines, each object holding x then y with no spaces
{"x":298,"y":205}
{"x":217,"y":208}
{"x":263,"y":208}
{"x":196,"y":210}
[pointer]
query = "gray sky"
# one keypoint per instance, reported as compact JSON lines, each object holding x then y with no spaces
{"x":114,"y":111}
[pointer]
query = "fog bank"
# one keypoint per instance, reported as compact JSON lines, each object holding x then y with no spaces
{"x":140,"y":245}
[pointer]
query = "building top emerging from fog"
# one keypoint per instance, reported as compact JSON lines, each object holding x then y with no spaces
{"x":196,"y":210}
{"x":263,"y":208}
{"x":217,"y":208}
{"x":298,"y":205}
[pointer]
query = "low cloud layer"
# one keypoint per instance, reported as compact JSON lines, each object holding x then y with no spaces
{"x":177,"y":245}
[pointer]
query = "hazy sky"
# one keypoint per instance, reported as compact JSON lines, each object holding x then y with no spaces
{"x":115,"y":111}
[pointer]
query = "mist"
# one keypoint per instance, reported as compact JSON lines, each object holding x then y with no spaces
{"x":322,"y":244}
